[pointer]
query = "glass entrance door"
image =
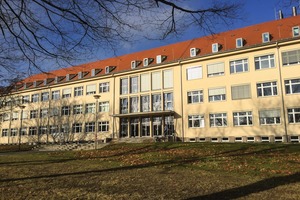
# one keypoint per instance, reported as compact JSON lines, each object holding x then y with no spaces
{"x":157,"y":126}
{"x":134,"y":127}
{"x":146,"y":126}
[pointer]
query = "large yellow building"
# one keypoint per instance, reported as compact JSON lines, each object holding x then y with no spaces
{"x":237,"y":86}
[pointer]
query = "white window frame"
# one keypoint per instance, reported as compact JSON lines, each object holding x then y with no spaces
{"x":292,"y":86}
{"x":271,"y":87}
{"x":77,"y":128}
{"x":215,"y":47}
{"x":25,"y":99}
{"x":270,"y":117}
{"x":293,"y":115}
{"x":89,"y":127}
{"x":145,"y":103}
{"x":35,"y":98}
{"x":91,"y":89}
{"x":104,"y":87}
{"x":13,"y":132}
{"x":66,"y":93}
{"x":124,"y":86}
{"x":214,"y":96}
{"x":296,"y":31}
{"x":168,"y":101}
{"x":243,"y":118}
{"x":78,"y":91}
{"x":32,"y":130}
{"x":4,"y":132}
{"x":218,"y":119}
{"x":104,"y":106}
{"x":134,"y":84}
{"x":55,"y":95}
{"x":239,"y":66}
{"x":103,"y":126}
{"x":65,"y":111}
{"x":156,"y":102}
{"x":260,"y":62}
{"x":34,"y":114}
{"x":196,"y":121}
{"x":45,"y":96}
{"x":265,"y":37}
{"x":77,"y":109}
{"x":239,"y":42}
{"x":195,"y":96}
{"x":90,"y":108}
{"x":216,"y":69}
{"x":44,"y":113}
{"x":124,"y":105}
{"x":134,"y":104}
{"x":193,"y":73}
{"x":291,"y":57}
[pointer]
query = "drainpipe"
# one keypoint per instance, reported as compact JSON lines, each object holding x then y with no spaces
{"x":113,"y":125}
{"x":281,"y":83}
{"x":181,"y":93}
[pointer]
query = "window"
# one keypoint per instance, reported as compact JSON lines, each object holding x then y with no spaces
{"x":78,"y":91}
{"x":134,"y":84}
{"x":145,"y":103}
{"x":24,"y":131}
{"x":124,"y":86}
{"x":103,"y":126}
{"x":266,"y":89}
{"x":269,"y":117}
{"x":264,"y":62}
{"x":43,"y":130}
{"x":216,"y":94}
{"x":25,"y":99}
{"x":238,"y":66}
{"x":65,"y":128}
{"x":90,"y":127}
{"x":194,"y":73}
{"x":66,"y":93}
{"x":156,"y":80}
{"x":44,"y":113}
{"x":65,"y":110}
{"x":91,"y":89}
{"x":33,"y":114}
{"x":241,"y":92}
{"x":32,"y":131}
{"x":242,"y":118}
{"x":54,"y":112}
{"x":15,"y":116}
{"x":215,"y":69}
{"x":168,"y":78}
{"x":294,"y":115}
{"x":104,"y":106}
{"x":193,"y":52}
{"x":35,"y":98}
{"x":124,"y":106}
{"x":55,"y":95}
{"x":4,"y":132}
{"x":168,"y":101}
{"x":134,"y":104}
{"x":53,"y":129}
{"x":291,"y":57}
{"x":77,"y":128}
{"x":196,"y":121}
{"x":156,"y":102}
{"x":13,"y":132}
{"x":145,"y":82}
{"x":265,"y":37}
{"x":104,"y":87}
{"x":195,"y":96}
{"x":218,"y":120}
{"x":45,"y":96}
{"x":295,"y":31}
{"x":6,"y":116}
{"x":77,"y":109}
{"x":292,"y":86}
{"x":25,"y":115}
{"x":239,"y":42}
{"x":90,"y":108}
{"x":215,"y":47}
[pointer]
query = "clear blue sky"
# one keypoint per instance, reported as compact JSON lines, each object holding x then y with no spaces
{"x":254,"y":12}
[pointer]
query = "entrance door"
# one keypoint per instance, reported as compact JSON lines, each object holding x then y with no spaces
{"x":157,"y":126}
{"x":146,"y":126}
{"x":134,"y":127}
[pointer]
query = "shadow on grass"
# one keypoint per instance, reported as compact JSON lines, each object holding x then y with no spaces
{"x":246,"y":190}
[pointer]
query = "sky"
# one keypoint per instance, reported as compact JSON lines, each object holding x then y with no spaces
{"x":254,"y":12}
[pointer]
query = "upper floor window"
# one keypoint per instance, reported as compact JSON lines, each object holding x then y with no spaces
{"x":156,"y":80}
{"x":145,"y":82}
{"x":269,"y":117}
{"x":34,"y":114}
{"x":55,"y":95}
{"x":145,"y":103}
{"x":215,"y":69}
{"x":294,"y":115}
{"x":104,"y":87}
{"x":13,"y":132}
{"x":168,"y":78}
{"x":292,"y":86}
{"x":78,"y":91}
{"x":15,"y":116}
{"x":35,"y":98}
{"x":196,"y":121}
{"x":77,"y":109}
{"x":215,"y":47}
{"x":241,"y":92}
{"x":4,"y":132}
{"x":238,"y":66}
{"x":25,"y":99}
{"x":32,"y":130}
{"x":295,"y":31}
{"x":266,"y":37}
{"x":266,"y":89}
{"x":134,"y":84}
{"x":168,"y":101}
{"x":195,"y":96}
{"x":90,"y":108}
{"x":91,"y":89}
{"x":264,"y":62}
{"x":291,"y":57}
{"x":104,"y":106}
{"x":124,"y":86}
{"x":66,"y":93}
{"x":44,"y":113}
{"x":45,"y":96}
{"x":216,"y":94}
{"x":156,"y":102}
{"x":65,"y":110}
{"x":124,"y":105}
{"x":194,"y":73}
{"x":134,"y":104}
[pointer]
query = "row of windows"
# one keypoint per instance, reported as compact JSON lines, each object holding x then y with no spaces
{"x":66,"y":93}
{"x":292,"y":86}
{"x":89,"y":127}
{"x":245,"y":118}
{"x":64,"y":110}
{"x":241,"y":65}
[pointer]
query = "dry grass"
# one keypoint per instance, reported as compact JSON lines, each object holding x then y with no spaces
{"x":155,"y":171}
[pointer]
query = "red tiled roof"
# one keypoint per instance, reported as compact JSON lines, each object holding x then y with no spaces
{"x":252,"y":35}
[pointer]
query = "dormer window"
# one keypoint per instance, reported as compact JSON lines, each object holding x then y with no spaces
{"x":266,"y":37}
{"x":194,"y":52}
{"x":67,"y":77}
{"x":34,"y":84}
{"x":215,"y":47}
{"x":239,"y":42}
{"x":147,"y":61}
{"x":79,"y":75}
{"x":108,"y":69}
{"x":296,"y":31}
{"x":45,"y":81}
{"x":160,"y":58}
{"x":134,"y":64}
{"x":93,"y":72}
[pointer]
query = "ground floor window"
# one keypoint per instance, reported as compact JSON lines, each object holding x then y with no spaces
{"x":196,"y":121}
{"x":90,"y":127}
{"x":145,"y":126}
{"x":269,"y":117}
{"x":218,"y":119}
{"x":4,"y":132}
{"x":103,"y":126}
{"x":77,"y":128}
{"x":294,"y":115}
{"x":13,"y":132}
{"x":242,"y":118}
{"x":32,"y":131}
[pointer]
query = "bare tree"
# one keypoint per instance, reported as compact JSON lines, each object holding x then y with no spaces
{"x":36,"y":31}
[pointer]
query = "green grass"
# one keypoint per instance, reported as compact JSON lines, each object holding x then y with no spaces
{"x":154,"y":171}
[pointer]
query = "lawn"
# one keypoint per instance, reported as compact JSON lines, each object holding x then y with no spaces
{"x":154,"y":171}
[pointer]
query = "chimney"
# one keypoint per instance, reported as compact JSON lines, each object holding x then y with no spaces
{"x":280,"y":14}
{"x":294,"y":11}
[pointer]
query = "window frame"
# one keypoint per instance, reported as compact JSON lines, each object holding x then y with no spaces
{"x":242,"y":116}
{"x":44,"y":96}
{"x":196,"y":93}
{"x":213,"y":119}
{"x":103,"y":126}
{"x":190,"y":75}
{"x":261,"y":89}
{"x":55,"y":95}
{"x":103,"y":106}
{"x":268,"y":120}
{"x":78,"y":91}
{"x":234,"y":65}
{"x":65,"y":110}
{"x":258,"y":60}
{"x":104,"y":87}
{"x":293,"y":115}
{"x":196,"y":121}
{"x":90,"y":108}
{"x":289,"y":86}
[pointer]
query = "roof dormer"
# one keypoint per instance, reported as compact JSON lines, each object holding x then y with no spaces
{"x":160,"y":58}
{"x":194,"y":52}
{"x":135,"y":64}
{"x":109,"y":69}
{"x":147,"y":61}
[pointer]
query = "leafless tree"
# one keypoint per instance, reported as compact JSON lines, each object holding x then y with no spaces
{"x":34,"y":32}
